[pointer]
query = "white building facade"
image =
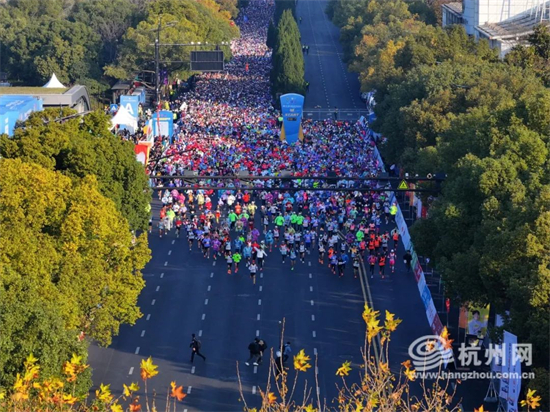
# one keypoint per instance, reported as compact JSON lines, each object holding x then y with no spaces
{"x":504,"y":23}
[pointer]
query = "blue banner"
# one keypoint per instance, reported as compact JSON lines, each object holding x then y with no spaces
{"x":131,"y":104}
{"x":292,"y":107}
{"x":163,"y":123}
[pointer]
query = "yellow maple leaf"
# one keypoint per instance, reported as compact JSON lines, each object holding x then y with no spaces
{"x":407,"y":364}
{"x":410,"y":374}
{"x":344,"y":369}
{"x":310,"y":408}
{"x":390,"y":323}
{"x":103,"y":394}
{"x":384,"y":367}
{"x":69,"y":399}
{"x":301,"y":361}
{"x":358,"y":406}
{"x":271,"y":398}
{"x":373,"y":328}
{"x":531,"y":401}
{"x":480,"y":409}
{"x":116,"y":408}
{"x":177,"y":391}
{"x":127,"y":391}
{"x":148,"y":369}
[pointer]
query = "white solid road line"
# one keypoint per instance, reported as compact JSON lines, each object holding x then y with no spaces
{"x":143,"y":333}
{"x":203,"y":316}
{"x":131,"y":370}
{"x":169,"y":252}
{"x":153,"y":302}
{"x":206,"y":301}
{"x":137,"y":350}
{"x":148,"y":316}
{"x":162,"y":275}
{"x":189,"y":389}
{"x":193,"y":369}
{"x":157,"y":289}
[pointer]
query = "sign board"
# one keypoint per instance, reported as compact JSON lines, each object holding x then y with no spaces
{"x":163,"y":123}
{"x":403,"y":185}
{"x":292,"y":107}
{"x":113,"y":108}
{"x":131,"y":104}
{"x":207,"y":61}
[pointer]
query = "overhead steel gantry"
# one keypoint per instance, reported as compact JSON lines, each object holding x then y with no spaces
{"x":295,"y":183}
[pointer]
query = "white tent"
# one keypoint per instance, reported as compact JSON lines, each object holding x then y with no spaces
{"x":54,"y":83}
{"x":124,"y":118}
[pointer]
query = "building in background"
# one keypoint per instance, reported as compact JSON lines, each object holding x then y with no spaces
{"x":54,"y":94}
{"x":503,"y":23}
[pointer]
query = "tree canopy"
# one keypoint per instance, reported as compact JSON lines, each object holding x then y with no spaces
{"x":182,"y":21}
{"x":287,"y":73}
{"x":82,"y":148}
{"x":92,"y":42}
{"x":68,"y":264}
{"x":446,"y":103}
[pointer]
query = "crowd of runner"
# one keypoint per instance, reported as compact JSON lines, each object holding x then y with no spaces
{"x":227,"y":125}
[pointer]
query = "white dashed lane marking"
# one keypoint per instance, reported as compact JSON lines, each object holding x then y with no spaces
{"x":206,"y":301}
{"x":148,"y":317}
{"x":137,"y":351}
{"x":166,"y":263}
{"x":162,"y":275}
{"x":157,"y":289}
{"x":153,"y":302}
{"x":203,"y":316}
{"x":131,"y":370}
{"x":169,"y":252}
{"x":193,"y":369}
{"x":143,"y":333}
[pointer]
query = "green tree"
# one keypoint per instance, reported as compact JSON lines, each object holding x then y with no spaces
{"x":287,"y":74}
{"x":68,"y":258}
{"x":189,"y":21}
{"x":80,"y":148}
{"x":108,"y":18}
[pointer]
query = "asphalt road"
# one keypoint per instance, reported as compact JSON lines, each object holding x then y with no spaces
{"x":331,"y":85}
{"x":186,"y":293}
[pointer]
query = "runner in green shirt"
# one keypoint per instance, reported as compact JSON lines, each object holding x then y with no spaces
{"x":237,"y":259}
{"x":280,"y":220}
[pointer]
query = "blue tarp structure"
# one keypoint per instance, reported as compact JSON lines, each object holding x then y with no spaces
{"x":163,"y":121}
{"x":15,"y":107}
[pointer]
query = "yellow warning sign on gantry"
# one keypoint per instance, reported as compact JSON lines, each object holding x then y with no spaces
{"x":403,"y":185}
